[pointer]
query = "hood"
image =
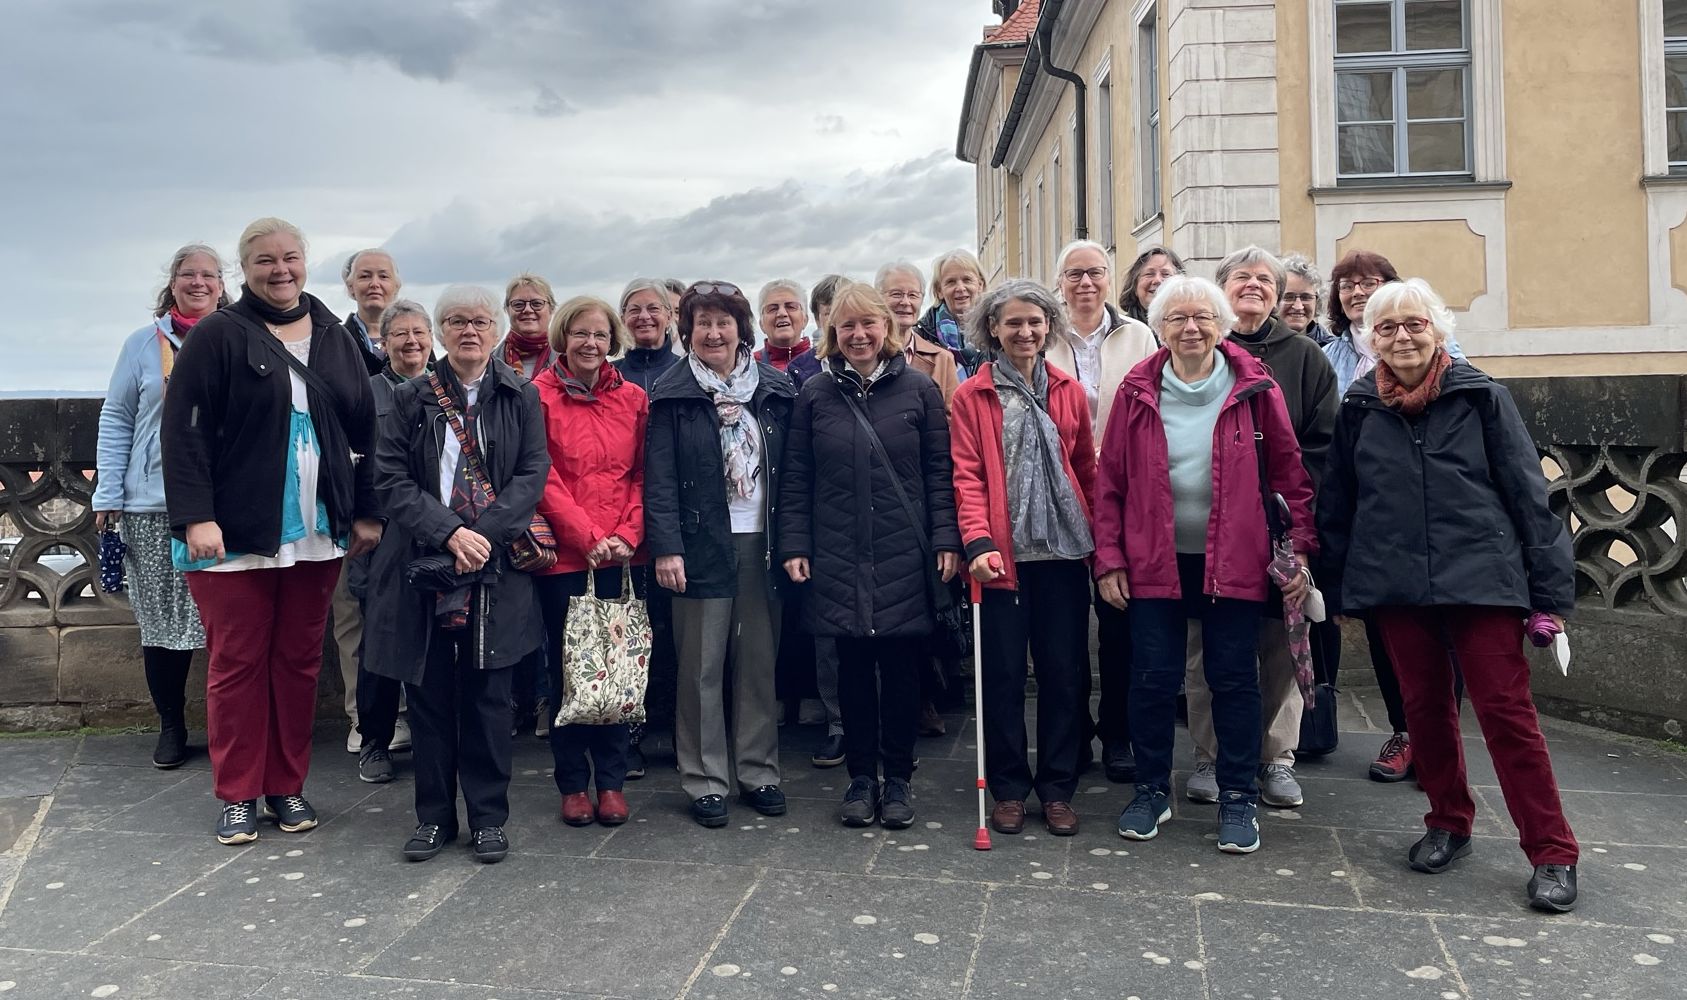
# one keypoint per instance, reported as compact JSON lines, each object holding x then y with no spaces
{"x":1275,"y":331}
{"x":1251,"y":376}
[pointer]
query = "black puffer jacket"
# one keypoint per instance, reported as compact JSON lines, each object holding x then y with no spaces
{"x":840,"y":510}
{"x":1448,"y":508}
{"x":685,"y":506}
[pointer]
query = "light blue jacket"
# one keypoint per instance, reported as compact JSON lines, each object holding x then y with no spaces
{"x":129,"y":460}
{"x":1344,"y":358}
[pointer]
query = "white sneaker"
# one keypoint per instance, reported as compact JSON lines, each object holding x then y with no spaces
{"x":400,"y":735}
{"x":1278,"y":787}
{"x":1203,"y":784}
{"x":354,"y":740}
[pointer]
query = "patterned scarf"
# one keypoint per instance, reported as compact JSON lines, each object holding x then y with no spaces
{"x":1041,"y":502}
{"x":948,"y":330}
{"x":1415,"y":400}
{"x":608,"y":379}
{"x":469,"y":495}
{"x":516,"y":345}
{"x":740,"y":444}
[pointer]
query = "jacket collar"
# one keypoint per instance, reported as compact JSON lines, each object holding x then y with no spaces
{"x":1461,"y":377}
{"x":647,"y":356}
{"x":1251,"y":376}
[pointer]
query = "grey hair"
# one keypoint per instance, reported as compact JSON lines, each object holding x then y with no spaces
{"x":466,"y":297}
{"x":1397,"y":296}
{"x":988,"y":311}
{"x":782,"y":285}
{"x":1248,"y":256}
{"x":351,"y":263}
{"x":637,"y":285}
{"x":402,"y":307}
{"x":898,"y":267}
{"x":1073,"y":247}
{"x":1184,"y":288}
{"x":167,"y":297}
{"x":1297,"y":264}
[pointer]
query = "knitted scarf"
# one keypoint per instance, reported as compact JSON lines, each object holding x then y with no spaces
{"x":948,"y":330}
{"x":781,"y":357}
{"x":1041,"y":502}
{"x":269,"y":313}
{"x":608,"y":378}
{"x":740,"y":444}
{"x":1414,"y":400}
{"x":180,"y":324}
{"x":519,"y":345}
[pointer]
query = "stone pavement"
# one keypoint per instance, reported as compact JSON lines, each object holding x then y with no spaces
{"x":111,"y":885}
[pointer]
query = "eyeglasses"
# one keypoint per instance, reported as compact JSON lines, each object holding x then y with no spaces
{"x":1389,"y":328}
{"x":1299,"y":297}
{"x":480,"y":323}
{"x":201,"y":275}
{"x":525,"y":305}
{"x":644,"y":310}
{"x":1077,"y":274}
{"x":1362,"y":285}
{"x":905,"y":296}
{"x":1177,"y":321}
{"x":1157,"y":272}
{"x":599,"y":335}
{"x":409,"y":335}
{"x":714,"y":288}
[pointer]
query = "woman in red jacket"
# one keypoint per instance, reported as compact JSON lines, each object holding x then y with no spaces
{"x":1024,"y":471}
{"x":1180,"y":533}
{"x":594,"y":501}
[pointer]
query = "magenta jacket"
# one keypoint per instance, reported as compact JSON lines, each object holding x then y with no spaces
{"x":1133,"y":507}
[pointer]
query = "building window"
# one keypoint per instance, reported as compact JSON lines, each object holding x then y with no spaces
{"x":1104,"y":161}
{"x":1148,"y":117}
{"x":1053,"y":239}
{"x":1675,"y":83}
{"x":1402,"y":89}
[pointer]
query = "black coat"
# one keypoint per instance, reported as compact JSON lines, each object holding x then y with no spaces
{"x":1308,"y":383}
{"x":398,"y":620}
{"x":685,"y":505}
{"x":1448,"y":508}
{"x":373,"y":359}
{"x":870,"y":577}
{"x":226,"y":420}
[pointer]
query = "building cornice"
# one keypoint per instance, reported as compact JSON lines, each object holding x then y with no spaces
{"x":984,"y":77}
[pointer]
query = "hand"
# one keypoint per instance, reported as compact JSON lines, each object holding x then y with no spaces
{"x":365,"y":535}
{"x":948,"y":564}
{"x":470,"y":547}
{"x":1557,"y":620}
{"x":1294,"y":588}
{"x":1115,"y":590}
{"x":619,"y":550}
{"x":986,"y":567}
{"x":205,"y":541}
{"x":1341,"y":620}
{"x":599,"y":554}
{"x":670,"y":573}
{"x":105,"y":517}
{"x":796,"y":568}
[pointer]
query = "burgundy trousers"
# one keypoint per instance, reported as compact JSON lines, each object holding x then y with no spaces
{"x":263,"y":631}
{"x":1488,"y":643}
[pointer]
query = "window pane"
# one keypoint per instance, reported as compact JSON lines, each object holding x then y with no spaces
{"x":1678,"y":137}
{"x":1675,"y":81}
{"x":1434,"y":24}
{"x":1365,"y":97}
{"x":1364,"y":27}
{"x":1435,"y":148}
{"x":1434,"y":93}
{"x":1366,"y":149}
{"x":1675,"y":20}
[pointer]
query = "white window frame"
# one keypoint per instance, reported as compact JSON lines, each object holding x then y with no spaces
{"x":1397,"y":63}
{"x":1059,"y":192}
{"x":1025,"y":234}
{"x":1654,"y":50}
{"x":1039,"y":211}
{"x":1145,"y":84}
{"x":1103,"y":227}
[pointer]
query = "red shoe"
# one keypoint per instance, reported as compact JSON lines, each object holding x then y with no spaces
{"x":1394,"y":763}
{"x":611,"y":808}
{"x":577,"y":809}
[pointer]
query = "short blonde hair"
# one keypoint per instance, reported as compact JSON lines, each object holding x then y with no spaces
{"x":966,"y":258}
{"x":1402,"y":296}
{"x":619,"y":338}
{"x":529,"y":278}
{"x":269,"y":225}
{"x":853,"y":300}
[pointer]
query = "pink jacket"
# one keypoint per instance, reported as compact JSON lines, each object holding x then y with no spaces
{"x":1133,"y":508}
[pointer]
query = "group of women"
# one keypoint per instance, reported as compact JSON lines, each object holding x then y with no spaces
{"x":1062,"y":450}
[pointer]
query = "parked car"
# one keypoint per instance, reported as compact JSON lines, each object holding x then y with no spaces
{"x":61,"y":559}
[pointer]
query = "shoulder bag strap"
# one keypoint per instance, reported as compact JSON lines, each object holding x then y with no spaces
{"x":895,"y":484}
{"x":312,"y":380}
{"x":453,"y":416}
{"x":1273,"y":523}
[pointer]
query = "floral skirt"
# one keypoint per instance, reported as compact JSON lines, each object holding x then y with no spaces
{"x":157,"y":591}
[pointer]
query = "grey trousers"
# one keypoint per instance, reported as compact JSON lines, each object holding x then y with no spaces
{"x":348,"y":636}
{"x":826,"y":679}
{"x":1279,"y":696}
{"x":706,"y":633}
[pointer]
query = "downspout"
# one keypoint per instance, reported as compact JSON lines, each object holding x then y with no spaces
{"x":1080,"y":162}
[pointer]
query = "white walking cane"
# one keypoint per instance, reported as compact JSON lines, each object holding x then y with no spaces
{"x":981,"y":840}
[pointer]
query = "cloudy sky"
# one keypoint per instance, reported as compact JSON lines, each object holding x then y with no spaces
{"x":588,"y":140}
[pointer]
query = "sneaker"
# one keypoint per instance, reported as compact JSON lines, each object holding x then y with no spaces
{"x":171,"y":751}
{"x":860,"y":802}
{"x":374,"y":765}
{"x":542,"y":719}
{"x":811,"y":712}
{"x":710,"y":811}
{"x":1552,"y":889}
{"x":400,"y":735}
{"x":427,"y":841}
{"x":490,"y":845}
{"x":354,"y":740}
{"x":767,"y":800}
{"x":1394,"y":763}
{"x":635,"y":763}
{"x":1238,"y":827}
{"x":1203,"y":784}
{"x":1142,"y":818}
{"x":1119,"y":761}
{"x":1436,"y":851}
{"x":238,"y":823}
{"x":292,"y":813}
{"x":831,"y":752}
{"x":1278,"y":787}
{"x":894,"y":811}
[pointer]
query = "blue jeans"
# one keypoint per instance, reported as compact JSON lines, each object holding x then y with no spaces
{"x":1159,"y":640}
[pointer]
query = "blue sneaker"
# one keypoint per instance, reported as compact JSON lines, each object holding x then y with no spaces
{"x":1142,"y":818}
{"x":1238,"y":827}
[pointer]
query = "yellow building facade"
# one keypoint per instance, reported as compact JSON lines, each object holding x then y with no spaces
{"x":1526,"y":157}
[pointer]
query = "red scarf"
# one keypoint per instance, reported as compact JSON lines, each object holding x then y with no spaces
{"x":1415,"y":400}
{"x":519,"y":345}
{"x":781,"y":357}
{"x":182,"y":324}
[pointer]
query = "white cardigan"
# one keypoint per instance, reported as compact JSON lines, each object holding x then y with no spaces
{"x":1123,"y":348}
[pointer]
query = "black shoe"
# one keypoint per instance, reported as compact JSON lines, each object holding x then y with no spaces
{"x":171,"y":751}
{"x":830,"y":754}
{"x":635,"y":763}
{"x":1552,"y":889}
{"x":1436,"y":851}
{"x":239,"y":823}
{"x":374,"y":765}
{"x":767,"y":800}
{"x":860,"y":802}
{"x":1120,"y":763}
{"x":292,"y":813}
{"x":894,"y":811}
{"x":490,"y":845}
{"x":427,"y":841}
{"x":710,"y":811}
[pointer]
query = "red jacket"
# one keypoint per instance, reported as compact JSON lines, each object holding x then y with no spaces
{"x":1134,"y":521}
{"x":596,"y":484}
{"x":975,"y":441}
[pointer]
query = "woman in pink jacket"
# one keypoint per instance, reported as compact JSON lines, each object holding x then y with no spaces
{"x":1180,"y":533}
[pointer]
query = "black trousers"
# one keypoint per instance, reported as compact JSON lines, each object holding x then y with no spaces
{"x":1387,"y":682}
{"x":1049,"y":617}
{"x":879,"y":694}
{"x":460,"y":727}
{"x":1113,"y":653}
{"x":377,"y":708}
{"x":570,"y":745}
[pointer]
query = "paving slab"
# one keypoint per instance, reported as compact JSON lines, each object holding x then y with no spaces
{"x":90,"y":794}
{"x":806,"y":838}
{"x":33,"y":766}
{"x":37,"y":975}
{"x":1252,"y":951}
{"x":1566,"y":962}
{"x":135,"y":749}
{"x":319,"y":986}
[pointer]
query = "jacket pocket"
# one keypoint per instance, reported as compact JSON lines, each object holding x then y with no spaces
{"x":690,"y":521}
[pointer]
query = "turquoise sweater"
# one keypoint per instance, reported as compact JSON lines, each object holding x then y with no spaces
{"x":1189,"y":413}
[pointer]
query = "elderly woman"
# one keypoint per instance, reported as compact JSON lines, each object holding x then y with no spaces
{"x":713,"y":462}
{"x":1150,"y":270}
{"x":783,"y":320}
{"x":647,"y":312}
{"x":267,"y":422}
{"x":808,"y":363}
{"x":957,"y":280}
{"x":1024,"y":478}
{"x":129,"y":493}
{"x":1253,"y":281}
{"x":594,"y":500}
{"x":868,"y":515}
{"x":1303,"y":295}
{"x":903,"y":288}
{"x":1181,"y":534}
{"x":462,"y":464}
{"x":1471,"y":507}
